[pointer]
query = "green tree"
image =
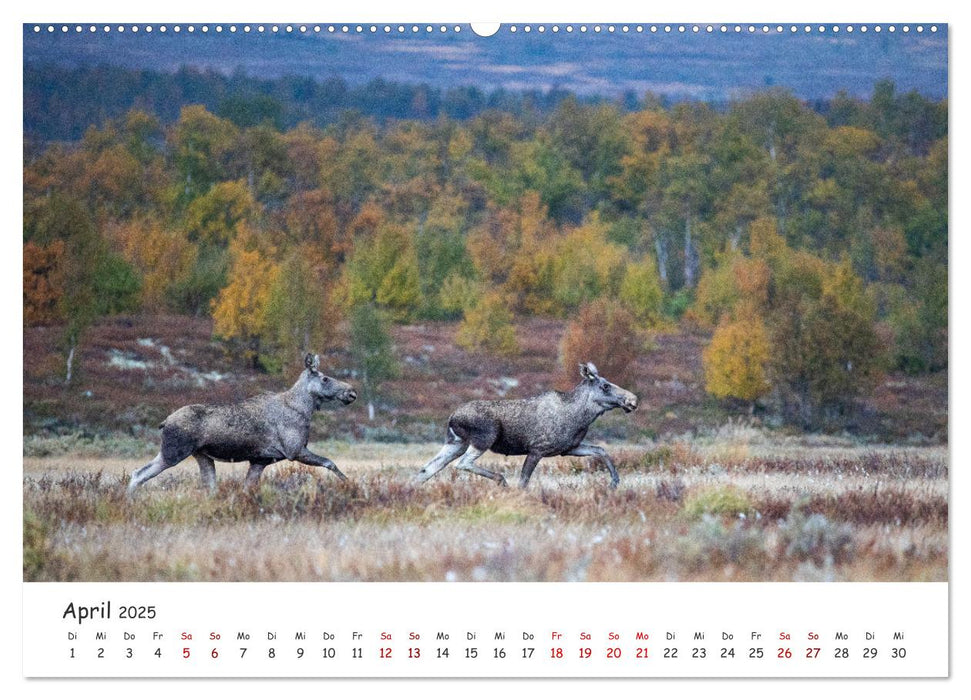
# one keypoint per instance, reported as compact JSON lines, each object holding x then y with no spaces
{"x":384,"y":269}
{"x":214,"y":218}
{"x":372,"y":351}
{"x":825,"y":350}
{"x":585,"y":266}
{"x":202,"y":148}
{"x":82,"y":269}
{"x":440,"y":250}
{"x":298,"y":312}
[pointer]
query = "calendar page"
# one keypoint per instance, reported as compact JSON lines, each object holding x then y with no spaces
{"x":517,"y":350}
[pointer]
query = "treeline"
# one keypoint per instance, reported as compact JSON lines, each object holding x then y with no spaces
{"x":813,"y":244}
{"x":61,"y":102}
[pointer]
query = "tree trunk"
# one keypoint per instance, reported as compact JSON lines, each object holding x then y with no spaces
{"x":735,"y":240}
{"x":370,"y":395}
{"x":660,"y":247}
{"x":70,"y":363}
{"x":690,"y":256}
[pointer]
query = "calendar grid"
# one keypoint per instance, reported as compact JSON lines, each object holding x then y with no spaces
{"x":487,"y":629}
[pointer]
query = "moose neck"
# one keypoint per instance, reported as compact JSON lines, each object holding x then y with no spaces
{"x":584,"y":408}
{"x":298,"y":396}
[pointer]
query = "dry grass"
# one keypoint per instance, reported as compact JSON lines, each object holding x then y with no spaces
{"x":728,"y":510}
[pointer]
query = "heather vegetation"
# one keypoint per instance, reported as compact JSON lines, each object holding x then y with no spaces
{"x":740,"y":508}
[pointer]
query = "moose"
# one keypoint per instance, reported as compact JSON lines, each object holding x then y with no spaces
{"x":551,"y":424}
{"x":260,"y":430}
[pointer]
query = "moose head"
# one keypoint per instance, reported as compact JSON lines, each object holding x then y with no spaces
{"x":324,"y":388}
{"x":605,"y":393}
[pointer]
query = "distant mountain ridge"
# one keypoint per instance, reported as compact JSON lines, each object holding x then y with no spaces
{"x":704,"y":66}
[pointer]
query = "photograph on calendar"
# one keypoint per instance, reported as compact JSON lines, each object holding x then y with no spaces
{"x":538,"y":303}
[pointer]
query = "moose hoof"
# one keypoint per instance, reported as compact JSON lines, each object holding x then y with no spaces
{"x":613,"y":483}
{"x":502,"y":481}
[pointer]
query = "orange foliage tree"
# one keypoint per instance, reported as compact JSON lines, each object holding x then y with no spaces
{"x":607,"y":334}
{"x":43,"y":283}
{"x":163,"y":257}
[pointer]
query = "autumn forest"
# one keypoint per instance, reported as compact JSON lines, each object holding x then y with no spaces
{"x":807,"y":242}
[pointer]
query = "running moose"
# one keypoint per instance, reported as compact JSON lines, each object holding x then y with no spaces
{"x":551,"y":424}
{"x":260,"y":430}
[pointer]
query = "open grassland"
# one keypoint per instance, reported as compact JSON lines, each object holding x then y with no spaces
{"x":730,"y":508}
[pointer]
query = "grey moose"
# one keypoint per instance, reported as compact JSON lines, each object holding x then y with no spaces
{"x":551,"y":424}
{"x":261,"y":430}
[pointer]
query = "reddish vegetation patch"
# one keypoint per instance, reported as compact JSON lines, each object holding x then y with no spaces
{"x":132,"y":371}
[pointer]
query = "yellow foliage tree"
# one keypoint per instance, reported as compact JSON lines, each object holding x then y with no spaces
{"x":457,"y":294}
{"x":640,"y":291}
{"x":488,"y":328}
{"x":239,"y":312}
{"x":215,"y":217}
{"x":585,"y":266}
{"x":717,"y":293}
{"x":765,"y":241}
{"x":736,"y":360}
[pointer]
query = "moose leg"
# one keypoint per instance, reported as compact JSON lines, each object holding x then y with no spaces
{"x":452,"y":450}
{"x":314,"y":460}
{"x":585,"y":449}
{"x":254,"y":473}
{"x":207,"y":471}
{"x":150,"y":470}
{"x":467,"y":463}
{"x":176,"y":446}
{"x":528,"y":466}
{"x":163,"y":460}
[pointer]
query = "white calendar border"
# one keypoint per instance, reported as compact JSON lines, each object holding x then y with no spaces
{"x":507,"y":10}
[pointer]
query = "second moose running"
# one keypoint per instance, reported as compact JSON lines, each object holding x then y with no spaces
{"x":551,"y":424}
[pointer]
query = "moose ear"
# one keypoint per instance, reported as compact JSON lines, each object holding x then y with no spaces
{"x":316,"y":364}
{"x":308,"y":361}
{"x":585,"y":371}
{"x":592,"y":369}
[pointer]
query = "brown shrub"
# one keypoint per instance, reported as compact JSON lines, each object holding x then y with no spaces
{"x":607,"y":334}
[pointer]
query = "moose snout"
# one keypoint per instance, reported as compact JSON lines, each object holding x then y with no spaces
{"x":630,"y":404}
{"x":349,"y":396}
